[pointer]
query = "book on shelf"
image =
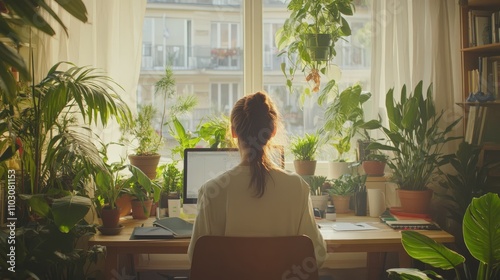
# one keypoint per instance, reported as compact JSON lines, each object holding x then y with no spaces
{"x":471,"y":122}
{"x":483,"y":27}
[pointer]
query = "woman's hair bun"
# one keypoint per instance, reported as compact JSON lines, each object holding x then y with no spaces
{"x":256,"y":104}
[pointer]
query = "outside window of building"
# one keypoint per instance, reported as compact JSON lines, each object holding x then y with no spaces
{"x":202,"y":41}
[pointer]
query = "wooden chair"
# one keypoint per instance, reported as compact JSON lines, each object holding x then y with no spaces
{"x":252,"y":258}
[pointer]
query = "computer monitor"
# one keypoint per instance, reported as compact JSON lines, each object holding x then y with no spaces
{"x":203,"y":164}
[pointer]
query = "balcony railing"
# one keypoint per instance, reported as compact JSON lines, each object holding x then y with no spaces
{"x":183,"y":58}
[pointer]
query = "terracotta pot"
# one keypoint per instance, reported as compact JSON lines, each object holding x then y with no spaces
{"x":141,"y":210}
{"x":110,"y":217}
{"x":305,"y":167}
{"x":341,"y":203}
{"x":415,"y":201}
{"x":124,"y":202}
{"x":146,"y":164}
{"x":154,"y":208}
{"x":373,"y":167}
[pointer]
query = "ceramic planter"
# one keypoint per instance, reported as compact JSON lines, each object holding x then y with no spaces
{"x":141,"y":210}
{"x":374,"y":168}
{"x":146,"y":164}
{"x":338,"y":168}
{"x":417,"y":202}
{"x":305,"y":167}
{"x":110,"y":217}
{"x":341,"y":203}
{"x":320,"y":202}
{"x":124,"y":202}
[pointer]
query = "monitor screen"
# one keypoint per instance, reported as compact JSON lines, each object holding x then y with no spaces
{"x":203,"y":164}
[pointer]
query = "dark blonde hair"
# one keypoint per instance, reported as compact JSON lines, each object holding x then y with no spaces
{"x":254,"y":118}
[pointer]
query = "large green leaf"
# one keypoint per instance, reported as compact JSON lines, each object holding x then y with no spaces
{"x":481,"y":228}
{"x":426,"y":250}
{"x":69,"y":210}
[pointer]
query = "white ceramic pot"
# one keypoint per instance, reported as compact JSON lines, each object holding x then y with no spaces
{"x":320,"y":201}
{"x":337,"y":168}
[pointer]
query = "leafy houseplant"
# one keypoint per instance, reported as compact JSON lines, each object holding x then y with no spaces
{"x":374,"y":163}
{"x":216,"y":132}
{"x":110,"y":183}
{"x":56,"y":159}
{"x":309,"y":35}
{"x":416,"y":142}
{"x":318,"y":198}
{"x":304,"y":150}
{"x":171,"y":183}
{"x":342,"y":189}
{"x":149,"y":142}
{"x":344,"y":119}
{"x":482,"y":238}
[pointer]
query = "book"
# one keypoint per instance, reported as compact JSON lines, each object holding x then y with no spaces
{"x":413,"y":224}
{"x":471,"y":121}
{"x":179,"y":227}
{"x":150,"y":233}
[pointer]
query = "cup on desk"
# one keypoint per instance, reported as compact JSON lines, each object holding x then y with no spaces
{"x":376,"y":202}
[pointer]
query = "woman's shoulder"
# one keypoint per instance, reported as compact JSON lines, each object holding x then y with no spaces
{"x":290,"y":179}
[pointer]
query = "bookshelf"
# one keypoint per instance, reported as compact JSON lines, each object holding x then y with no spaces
{"x":480,"y":55}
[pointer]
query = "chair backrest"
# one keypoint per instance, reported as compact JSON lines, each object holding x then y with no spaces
{"x":252,"y":258}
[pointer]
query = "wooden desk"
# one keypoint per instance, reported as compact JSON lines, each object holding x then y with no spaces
{"x":374,"y":242}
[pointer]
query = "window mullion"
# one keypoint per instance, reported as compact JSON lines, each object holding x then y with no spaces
{"x":252,"y":44}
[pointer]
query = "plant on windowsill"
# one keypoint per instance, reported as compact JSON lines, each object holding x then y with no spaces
{"x":374,"y":163}
{"x":481,"y":236}
{"x":141,"y":132}
{"x":304,"y":150}
{"x":416,"y":141}
{"x":308,"y":38}
{"x":344,"y":119}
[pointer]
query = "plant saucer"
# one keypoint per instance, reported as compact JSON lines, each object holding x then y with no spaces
{"x":109,"y":230}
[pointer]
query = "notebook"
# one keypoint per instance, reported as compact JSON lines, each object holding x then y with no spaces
{"x":179,"y":227}
{"x":151,"y":233}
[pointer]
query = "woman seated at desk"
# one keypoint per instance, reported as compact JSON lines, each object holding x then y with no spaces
{"x":256,"y":198}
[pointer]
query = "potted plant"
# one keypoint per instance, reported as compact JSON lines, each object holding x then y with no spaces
{"x":55,"y":162}
{"x":304,"y":150}
{"x":481,"y":237}
{"x":374,"y":163}
{"x":342,"y":190}
{"x":318,"y":197}
{"x":344,"y":118}
{"x":171,"y":183}
{"x":111,"y":182}
{"x":141,"y":132}
{"x":309,"y":35}
{"x":416,"y":140}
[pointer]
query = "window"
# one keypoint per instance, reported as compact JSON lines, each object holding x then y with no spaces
{"x":203,"y":42}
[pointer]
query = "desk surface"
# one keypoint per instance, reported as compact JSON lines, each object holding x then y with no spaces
{"x":382,"y":239}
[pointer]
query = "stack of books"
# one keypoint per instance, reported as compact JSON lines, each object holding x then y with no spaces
{"x":407,"y":222}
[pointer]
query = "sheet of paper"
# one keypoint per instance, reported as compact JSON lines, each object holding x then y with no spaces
{"x":352,"y":226}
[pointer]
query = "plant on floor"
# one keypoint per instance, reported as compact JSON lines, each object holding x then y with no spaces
{"x":51,"y":186}
{"x":481,"y":235}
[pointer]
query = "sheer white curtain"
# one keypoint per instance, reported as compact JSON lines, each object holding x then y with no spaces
{"x":417,"y":40}
{"x":111,"y":41}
